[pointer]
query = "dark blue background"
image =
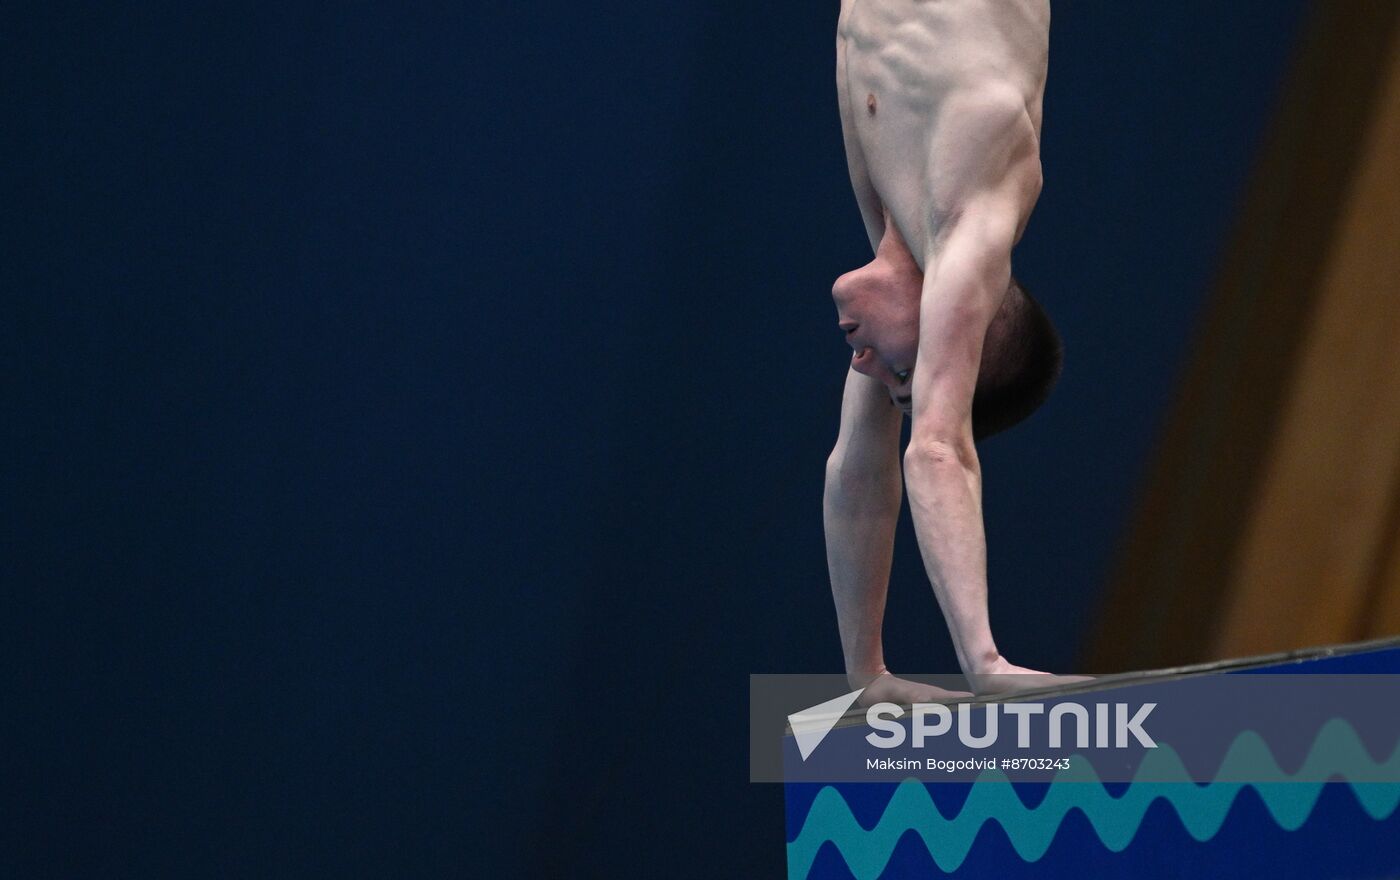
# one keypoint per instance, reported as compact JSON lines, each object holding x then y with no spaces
{"x":419,"y":413}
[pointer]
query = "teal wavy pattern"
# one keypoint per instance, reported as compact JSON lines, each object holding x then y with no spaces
{"x":1335,"y":752}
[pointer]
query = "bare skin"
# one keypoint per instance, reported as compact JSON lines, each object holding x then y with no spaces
{"x":940,"y":110}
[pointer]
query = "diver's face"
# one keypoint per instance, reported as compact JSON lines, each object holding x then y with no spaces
{"x":877,"y":308}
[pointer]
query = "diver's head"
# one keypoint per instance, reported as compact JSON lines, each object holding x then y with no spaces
{"x":877,"y":308}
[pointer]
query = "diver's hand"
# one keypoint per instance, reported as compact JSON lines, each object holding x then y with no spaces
{"x":1003,"y":677}
{"x":887,"y":688}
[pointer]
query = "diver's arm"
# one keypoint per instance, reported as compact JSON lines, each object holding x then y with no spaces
{"x":982,"y":187}
{"x":860,"y":507}
{"x":961,"y":295}
{"x":942,"y":473}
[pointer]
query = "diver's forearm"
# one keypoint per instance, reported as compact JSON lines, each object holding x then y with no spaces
{"x":860,"y":509}
{"x":945,"y":497}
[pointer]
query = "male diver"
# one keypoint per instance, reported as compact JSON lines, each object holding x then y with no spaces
{"x":940,"y":111}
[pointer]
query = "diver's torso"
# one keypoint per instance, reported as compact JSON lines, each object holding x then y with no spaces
{"x":904,"y":67}
{"x":924,"y":49}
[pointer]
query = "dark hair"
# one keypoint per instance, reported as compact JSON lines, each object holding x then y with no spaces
{"x":1021,"y":361}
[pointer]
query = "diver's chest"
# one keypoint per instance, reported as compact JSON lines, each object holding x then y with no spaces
{"x":916,"y":58}
{"x":922,"y":50}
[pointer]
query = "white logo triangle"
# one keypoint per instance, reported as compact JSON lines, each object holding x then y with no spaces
{"x":810,"y":726}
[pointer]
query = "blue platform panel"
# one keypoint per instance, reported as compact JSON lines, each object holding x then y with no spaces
{"x":1334,"y":827}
